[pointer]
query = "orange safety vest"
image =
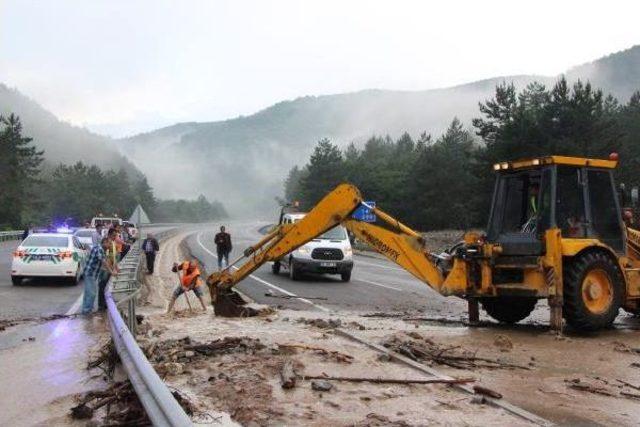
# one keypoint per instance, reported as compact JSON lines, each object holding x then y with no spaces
{"x":189,"y":275}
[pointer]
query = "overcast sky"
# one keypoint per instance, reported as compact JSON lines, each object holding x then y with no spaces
{"x":130,"y":66}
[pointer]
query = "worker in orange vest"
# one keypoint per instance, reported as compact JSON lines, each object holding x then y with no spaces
{"x":189,"y":281}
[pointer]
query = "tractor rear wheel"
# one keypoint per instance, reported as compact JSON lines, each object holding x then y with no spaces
{"x":507,"y":309}
{"x":593,"y":291}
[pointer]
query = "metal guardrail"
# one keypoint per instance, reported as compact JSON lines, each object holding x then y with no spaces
{"x":159,"y":403}
{"x":10,"y":235}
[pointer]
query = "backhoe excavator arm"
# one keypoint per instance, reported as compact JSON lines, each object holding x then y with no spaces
{"x":398,"y":242}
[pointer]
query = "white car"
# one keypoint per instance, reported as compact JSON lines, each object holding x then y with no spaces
{"x":85,"y":236}
{"x":330,"y":253}
{"x":48,"y":255}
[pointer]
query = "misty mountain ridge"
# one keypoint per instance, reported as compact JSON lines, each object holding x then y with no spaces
{"x":61,"y":141}
{"x":243,"y":161}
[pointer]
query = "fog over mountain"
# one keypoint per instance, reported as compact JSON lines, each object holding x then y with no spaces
{"x":243,"y":161}
{"x":62,"y":142}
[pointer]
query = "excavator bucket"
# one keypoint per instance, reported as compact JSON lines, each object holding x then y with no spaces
{"x":227,"y":302}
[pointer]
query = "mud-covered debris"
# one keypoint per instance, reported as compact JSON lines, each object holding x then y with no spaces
{"x":105,"y":358}
{"x":377,"y":420}
{"x":419,"y":348}
{"x":227,"y":345}
{"x":185,"y":350}
{"x":287,"y":375}
{"x":122,"y":402}
{"x":503,"y":342}
{"x":330,"y":354}
{"x":478,"y":400}
{"x":321,"y":385}
{"x":174,"y":368}
{"x":321,"y":323}
{"x":624,"y":348}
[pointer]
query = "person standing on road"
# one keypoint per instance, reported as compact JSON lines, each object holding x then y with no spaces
{"x":150,"y":247}
{"x":96,"y":263}
{"x":223,"y":246}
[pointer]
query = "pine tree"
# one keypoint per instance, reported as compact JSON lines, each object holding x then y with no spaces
{"x":19,"y":168}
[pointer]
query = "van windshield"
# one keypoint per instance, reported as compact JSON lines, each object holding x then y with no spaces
{"x":336,"y":233}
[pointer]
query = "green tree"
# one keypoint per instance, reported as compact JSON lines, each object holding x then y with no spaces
{"x":324,"y":171}
{"x":19,"y":168}
{"x":442,"y":188}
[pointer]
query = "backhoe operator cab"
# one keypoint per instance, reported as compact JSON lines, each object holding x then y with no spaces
{"x":556,"y":231}
{"x":577,"y":198}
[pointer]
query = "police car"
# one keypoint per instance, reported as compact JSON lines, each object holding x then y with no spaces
{"x":49,"y":255}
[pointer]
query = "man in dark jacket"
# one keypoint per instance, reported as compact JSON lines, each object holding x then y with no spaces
{"x":150,"y":247}
{"x":223,"y":245}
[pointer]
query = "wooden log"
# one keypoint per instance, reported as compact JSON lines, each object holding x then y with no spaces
{"x":287,"y":375}
{"x":392,"y":380}
{"x":478,"y":389}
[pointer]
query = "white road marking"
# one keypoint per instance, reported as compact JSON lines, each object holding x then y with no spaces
{"x":379,"y":265}
{"x":76,"y":306}
{"x":264,"y":282}
{"x":379,"y":284}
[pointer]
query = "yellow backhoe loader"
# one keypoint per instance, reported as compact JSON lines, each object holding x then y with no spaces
{"x":555,"y":231}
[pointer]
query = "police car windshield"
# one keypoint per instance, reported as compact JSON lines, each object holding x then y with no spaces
{"x":336,"y":233}
{"x":84,"y":233}
{"x":46,"y":241}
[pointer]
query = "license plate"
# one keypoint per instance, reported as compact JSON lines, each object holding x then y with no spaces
{"x":42,"y":257}
{"x":327,"y":264}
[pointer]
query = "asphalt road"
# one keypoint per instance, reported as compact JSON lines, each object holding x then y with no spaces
{"x":376,"y":285}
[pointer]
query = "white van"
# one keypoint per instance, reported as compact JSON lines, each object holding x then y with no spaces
{"x":106,"y":222}
{"x":330,"y":253}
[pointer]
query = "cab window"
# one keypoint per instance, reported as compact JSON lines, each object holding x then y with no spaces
{"x":605,"y":219}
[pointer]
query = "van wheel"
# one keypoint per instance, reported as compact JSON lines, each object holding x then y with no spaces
{"x":294,"y":274}
{"x":275,"y":268}
{"x":346,"y":276}
{"x":593,"y":291}
{"x":16,"y":280}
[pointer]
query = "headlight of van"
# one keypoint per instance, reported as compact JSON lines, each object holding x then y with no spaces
{"x":304,"y":250}
{"x":348,"y":251}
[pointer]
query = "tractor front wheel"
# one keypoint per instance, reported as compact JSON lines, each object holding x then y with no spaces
{"x":593,"y":291}
{"x":507,"y":309}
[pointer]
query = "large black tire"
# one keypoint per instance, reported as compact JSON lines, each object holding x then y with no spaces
{"x":346,"y":276}
{"x":294,"y":274}
{"x":507,"y":309}
{"x":593,"y":291}
{"x":16,"y":280}
{"x":275,"y":268}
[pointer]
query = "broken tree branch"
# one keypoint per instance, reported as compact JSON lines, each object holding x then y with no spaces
{"x":391,"y":380}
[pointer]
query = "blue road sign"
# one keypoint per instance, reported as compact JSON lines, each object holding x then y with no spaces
{"x":364,"y":214}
